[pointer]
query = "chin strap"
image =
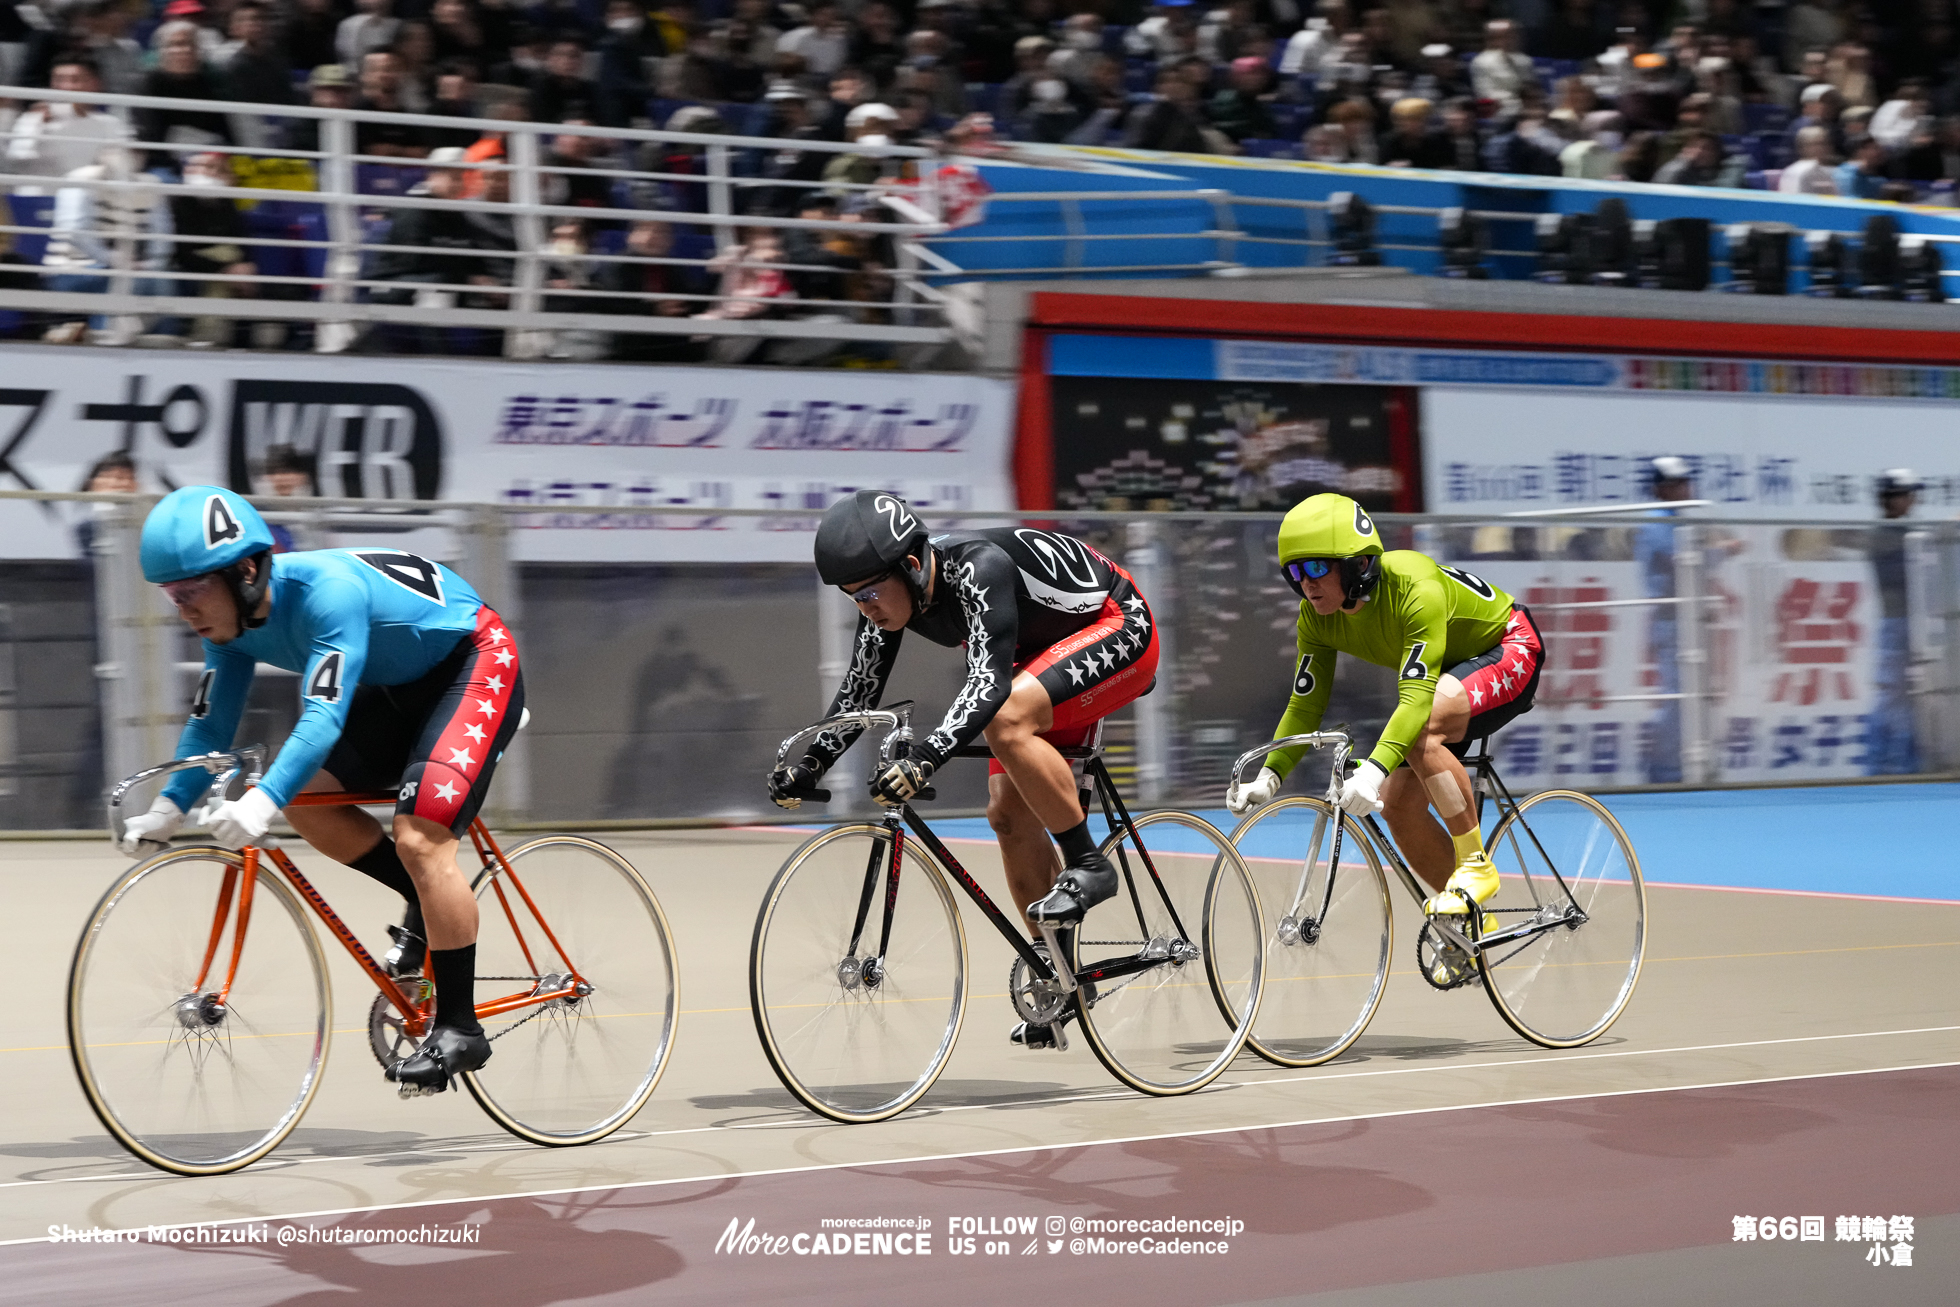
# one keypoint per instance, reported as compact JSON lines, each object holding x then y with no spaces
{"x":248,"y":597}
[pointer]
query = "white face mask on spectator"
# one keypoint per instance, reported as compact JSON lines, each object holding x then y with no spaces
{"x":1085,"y":41}
{"x":1050,"y":90}
{"x":875,"y":138}
{"x":625,"y":26}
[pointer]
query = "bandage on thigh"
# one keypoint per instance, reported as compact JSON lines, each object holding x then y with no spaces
{"x":1443,"y":792}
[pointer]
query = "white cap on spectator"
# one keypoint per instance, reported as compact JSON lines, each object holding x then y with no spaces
{"x":1671,"y":467}
{"x":449,"y":156}
{"x":1816,"y":91}
{"x":1436,"y":51}
{"x":864,"y":113}
{"x":785,"y":91}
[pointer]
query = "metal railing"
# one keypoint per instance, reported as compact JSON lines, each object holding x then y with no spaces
{"x":1756,"y":653}
{"x":351,"y":201}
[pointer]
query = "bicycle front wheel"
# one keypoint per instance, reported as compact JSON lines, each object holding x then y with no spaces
{"x":571,"y":914}
{"x":1571,"y":915}
{"x":858,"y":1025}
{"x":1179,"y":956}
{"x":187,"y":1082}
{"x":1327,"y":930}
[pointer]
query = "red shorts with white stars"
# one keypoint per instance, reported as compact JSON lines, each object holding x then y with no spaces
{"x":1502,"y":680}
{"x":439,"y":738}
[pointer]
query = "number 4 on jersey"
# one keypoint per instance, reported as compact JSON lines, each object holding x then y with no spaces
{"x":406,"y":570}
{"x":323,"y":682}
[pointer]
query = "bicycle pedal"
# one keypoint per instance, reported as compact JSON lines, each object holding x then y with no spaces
{"x":419,"y":1091}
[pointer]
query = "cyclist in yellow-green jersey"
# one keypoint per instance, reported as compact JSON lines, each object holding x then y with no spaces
{"x":1467,"y":660}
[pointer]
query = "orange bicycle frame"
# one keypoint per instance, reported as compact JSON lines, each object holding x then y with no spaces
{"x":415,"y":1015}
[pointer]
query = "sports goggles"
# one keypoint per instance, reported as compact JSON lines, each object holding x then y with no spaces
{"x":869,"y":594}
{"x":189,"y":591}
{"x":1308,"y":569}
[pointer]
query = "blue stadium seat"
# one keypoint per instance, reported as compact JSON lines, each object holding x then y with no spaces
{"x":31,"y":211}
{"x":1289,"y":120}
{"x":1765,"y":118}
{"x":1258,"y":149}
{"x":1139,"y":76}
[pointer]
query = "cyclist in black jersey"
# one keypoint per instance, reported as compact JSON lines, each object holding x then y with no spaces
{"x":1056,"y":637}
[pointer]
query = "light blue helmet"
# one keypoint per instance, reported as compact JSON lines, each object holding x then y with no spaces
{"x":200,"y":529}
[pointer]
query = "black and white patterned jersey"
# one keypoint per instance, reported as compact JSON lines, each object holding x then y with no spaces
{"x":1005,"y":594}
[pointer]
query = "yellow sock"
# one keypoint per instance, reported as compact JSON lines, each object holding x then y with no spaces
{"x":1469,"y":846}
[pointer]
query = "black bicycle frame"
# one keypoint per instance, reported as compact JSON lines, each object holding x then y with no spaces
{"x":1114,"y":812}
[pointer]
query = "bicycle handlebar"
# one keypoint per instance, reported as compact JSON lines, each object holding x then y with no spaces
{"x":1339,"y":738}
{"x":224,"y":766}
{"x":898,"y":717}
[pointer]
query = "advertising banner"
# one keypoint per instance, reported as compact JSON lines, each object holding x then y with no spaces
{"x":637,"y":440}
{"x":1513,"y":450}
{"x":1796,"y":646}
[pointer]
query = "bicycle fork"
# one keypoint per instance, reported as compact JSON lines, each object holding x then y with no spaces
{"x":868,"y":972}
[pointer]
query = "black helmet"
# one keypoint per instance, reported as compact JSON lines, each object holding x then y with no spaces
{"x":870,"y":535}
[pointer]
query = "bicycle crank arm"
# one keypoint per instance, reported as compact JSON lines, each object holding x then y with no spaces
{"x":1064,"y":976}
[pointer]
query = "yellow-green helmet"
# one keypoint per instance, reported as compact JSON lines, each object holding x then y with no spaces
{"x":1333,"y":528}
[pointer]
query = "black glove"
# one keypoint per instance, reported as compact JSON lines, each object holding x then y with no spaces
{"x":900,"y":781}
{"x":788,"y":785}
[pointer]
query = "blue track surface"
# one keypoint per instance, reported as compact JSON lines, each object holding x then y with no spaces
{"x":1893,"y":841}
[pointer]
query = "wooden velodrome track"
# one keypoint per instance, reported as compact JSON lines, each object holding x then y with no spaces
{"x":1786,"y":1055}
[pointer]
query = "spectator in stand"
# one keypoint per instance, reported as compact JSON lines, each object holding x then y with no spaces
{"x":1595,"y":156}
{"x":1640,"y":157}
{"x":1081,"y":48}
{"x":1170,"y":32}
{"x":254,"y":69}
{"x":878,"y":44}
{"x":1934,"y":152}
{"x":1411,"y":141}
{"x":1443,"y":77}
{"x":584,"y":155}
{"x":1463,"y":137}
{"x":1324,"y":144}
{"x":219,"y":229}
{"x":1529,"y":146}
{"x":658,"y":286}
{"x":456,"y":97}
{"x":743,"y":79}
{"x":96,"y":232}
{"x":929,"y":68}
{"x":286,"y":474}
{"x":1317,"y":43}
{"x":372,"y":27}
{"x":307,"y":34}
{"x":459,"y":33}
{"x":1651,"y":99}
{"x":824,"y":43}
{"x":180,"y":74}
{"x":1814,"y":171}
{"x":414,"y":51}
{"x":1863,"y":176}
{"x":381,"y":81}
{"x":1688,"y":123}
{"x":848,"y":89}
{"x":101,"y":31}
{"x":1703,"y":162}
{"x":1240,"y":109}
{"x":1031,"y":68}
{"x":1576,"y":31}
{"x":1851,"y":74}
{"x":868,"y":125}
{"x":112,"y":474}
{"x":561,"y":90}
{"x":1355,"y":120}
{"x":53,"y":139}
{"x":1899,"y":118}
{"x":1819,"y":106}
{"x":1054,"y":110}
{"x":1173,"y":121}
{"x":1500,"y":72}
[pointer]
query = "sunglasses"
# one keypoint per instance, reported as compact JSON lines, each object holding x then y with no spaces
{"x":1308,"y":569}
{"x":869,"y":594}
{"x":182,"y":593}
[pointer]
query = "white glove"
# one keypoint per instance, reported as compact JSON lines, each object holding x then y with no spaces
{"x":155,"y":826}
{"x":1361,"y":793}
{"x":1242,"y":799}
{"x":244,"y":820}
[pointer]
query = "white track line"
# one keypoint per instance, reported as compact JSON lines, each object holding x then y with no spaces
{"x":1024,"y":1148}
{"x":277,"y":1163}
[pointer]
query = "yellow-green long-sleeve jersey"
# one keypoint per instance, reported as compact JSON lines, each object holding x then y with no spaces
{"x":1422,"y":619}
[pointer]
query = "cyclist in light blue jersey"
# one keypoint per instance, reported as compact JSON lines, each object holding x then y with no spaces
{"x":407,"y":678}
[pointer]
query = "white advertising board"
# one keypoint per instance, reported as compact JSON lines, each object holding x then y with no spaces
{"x":1495,"y":450}
{"x":635,"y":439}
{"x":1792,"y":645}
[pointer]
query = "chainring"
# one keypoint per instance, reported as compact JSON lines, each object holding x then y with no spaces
{"x":1039,"y":1002}
{"x":388,"y":1037}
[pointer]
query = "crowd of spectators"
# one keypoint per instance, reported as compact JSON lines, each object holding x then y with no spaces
{"x":1807,"y":96}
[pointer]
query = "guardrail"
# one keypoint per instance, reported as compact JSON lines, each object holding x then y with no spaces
{"x":320,"y":230}
{"x":659,"y":691}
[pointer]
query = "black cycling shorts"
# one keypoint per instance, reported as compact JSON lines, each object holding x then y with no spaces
{"x":440,"y":737}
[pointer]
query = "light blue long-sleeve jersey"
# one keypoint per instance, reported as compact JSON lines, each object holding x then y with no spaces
{"x":341,"y":618}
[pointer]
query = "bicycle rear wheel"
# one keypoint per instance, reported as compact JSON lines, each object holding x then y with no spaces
{"x":858,"y":1036}
{"x":572,"y":912}
{"x":184,"y":1082}
{"x":1327,"y":946}
{"x":1171,"y":1025}
{"x":1572,"y":897}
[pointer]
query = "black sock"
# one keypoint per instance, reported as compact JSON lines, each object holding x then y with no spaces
{"x":1077,"y":844}
{"x":454,"y":970}
{"x":381,"y":863}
